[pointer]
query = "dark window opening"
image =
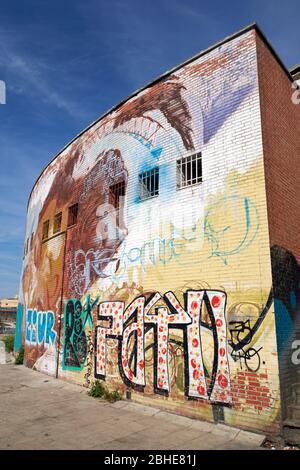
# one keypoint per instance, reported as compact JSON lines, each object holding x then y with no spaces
{"x":72,"y":215}
{"x":189,"y":171}
{"x":45,"y":230}
{"x":116,"y":192}
{"x":57,"y":223}
{"x":149,"y":183}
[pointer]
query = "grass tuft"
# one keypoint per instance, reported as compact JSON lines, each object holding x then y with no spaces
{"x":98,"y":390}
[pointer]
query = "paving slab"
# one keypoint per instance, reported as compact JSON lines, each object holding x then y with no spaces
{"x":40,"y":412}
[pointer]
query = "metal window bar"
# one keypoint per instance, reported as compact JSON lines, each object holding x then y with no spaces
{"x":189,"y":170}
{"x":72,"y":214}
{"x":57,"y":223}
{"x":149,"y":183}
{"x":116,"y":191}
{"x":45,"y":230}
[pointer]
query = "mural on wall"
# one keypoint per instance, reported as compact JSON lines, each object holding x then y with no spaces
{"x":39,"y":328}
{"x":75,"y":339}
{"x":174,"y":316}
{"x":286,"y":281}
{"x":168,"y":296}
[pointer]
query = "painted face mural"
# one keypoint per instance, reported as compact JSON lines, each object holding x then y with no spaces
{"x":157,"y":280}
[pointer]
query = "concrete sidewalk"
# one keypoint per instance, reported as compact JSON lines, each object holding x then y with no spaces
{"x":40,"y":412}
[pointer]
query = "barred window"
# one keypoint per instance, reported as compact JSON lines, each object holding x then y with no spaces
{"x":189,"y":171}
{"x":116,"y":191}
{"x":149,"y":183}
{"x":72,"y":215}
{"x":57,"y":223}
{"x":45,"y":230}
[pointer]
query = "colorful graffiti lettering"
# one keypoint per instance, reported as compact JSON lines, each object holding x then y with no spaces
{"x":136,"y":319}
{"x":39,"y":328}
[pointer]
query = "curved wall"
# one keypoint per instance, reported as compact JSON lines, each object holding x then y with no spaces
{"x":169,"y":296}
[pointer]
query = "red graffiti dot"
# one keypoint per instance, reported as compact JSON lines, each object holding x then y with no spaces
{"x":222,"y":381}
{"x":201,"y":390}
{"x":222,"y":352}
{"x":164,"y":338}
{"x":141,"y":364}
{"x":215,"y":301}
{"x":194,"y":364}
{"x":161,"y":329}
{"x":195,"y":342}
{"x":195,"y":374}
{"x":125,"y":363}
{"x":139,"y":332}
{"x":164,"y":351}
{"x":130,"y":374}
{"x":219,"y":322}
{"x":177,"y":306}
{"x":161,"y":360}
{"x":194,"y":305}
{"x":160,"y":383}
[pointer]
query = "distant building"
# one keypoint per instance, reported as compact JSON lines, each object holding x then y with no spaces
{"x":9,"y":303}
{"x":162,"y":248}
{"x":8,"y":313}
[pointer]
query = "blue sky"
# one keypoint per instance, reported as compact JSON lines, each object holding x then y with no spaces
{"x":66,"y":62}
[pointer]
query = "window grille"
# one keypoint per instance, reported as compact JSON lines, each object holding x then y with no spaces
{"x":149,"y":183}
{"x":57,"y":223}
{"x":116,"y":191}
{"x":189,"y":171}
{"x":45,"y":230}
{"x":72,"y":215}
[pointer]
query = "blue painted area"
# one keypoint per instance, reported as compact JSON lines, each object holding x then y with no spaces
{"x":50,"y":333}
{"x":18,"y":334}
{"x":28,"y":324}
{"x":156,"y":152}
{"x":284,"y":326}
{"x":293,"y":299}
{"x":224,"y":106}
{"x":41,"y":327}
